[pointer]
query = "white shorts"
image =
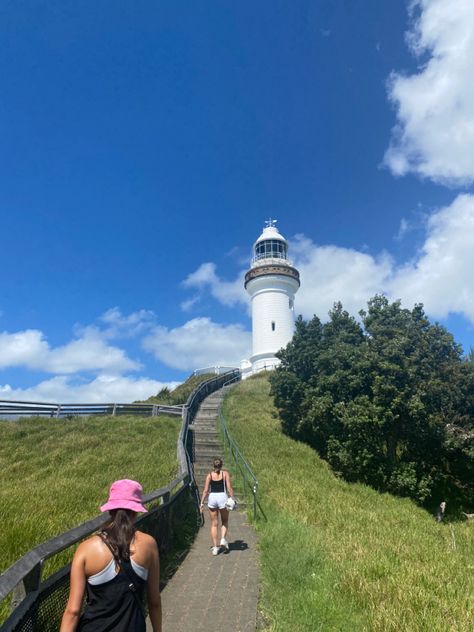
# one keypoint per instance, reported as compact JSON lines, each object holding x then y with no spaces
{"x":217,"y":500}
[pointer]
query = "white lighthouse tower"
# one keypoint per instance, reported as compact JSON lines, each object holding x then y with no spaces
{"x":272,"y":283}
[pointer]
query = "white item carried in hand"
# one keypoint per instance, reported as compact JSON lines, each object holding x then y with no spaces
{"x":230,"y":504}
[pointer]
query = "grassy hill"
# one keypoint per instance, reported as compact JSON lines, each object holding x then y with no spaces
{"x":55,"y":473}
{"x":338,"y":556}
{"x":180,"y":394}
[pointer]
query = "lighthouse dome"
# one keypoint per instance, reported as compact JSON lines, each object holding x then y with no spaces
{"x":270,"y":245}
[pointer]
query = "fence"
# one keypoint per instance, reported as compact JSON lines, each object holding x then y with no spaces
{"x":217,"y":370}
{"x":13,"y":410}
{"x":38,"y":606}
{"x":249,"y":480}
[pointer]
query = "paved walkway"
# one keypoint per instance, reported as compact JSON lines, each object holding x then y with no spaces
{"x":213,"y":592}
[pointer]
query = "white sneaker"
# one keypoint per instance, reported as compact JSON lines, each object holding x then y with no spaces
{"x":215,"y":550}
{"x":225,"y":544}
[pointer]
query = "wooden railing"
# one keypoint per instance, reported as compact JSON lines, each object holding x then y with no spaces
{"x":34,"y":601}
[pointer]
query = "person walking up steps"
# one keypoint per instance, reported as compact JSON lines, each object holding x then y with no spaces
{"x":219,"y":489}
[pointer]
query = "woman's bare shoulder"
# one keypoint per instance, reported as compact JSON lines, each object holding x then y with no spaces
{"x":91,"y":545}
{"x":145,"y":540}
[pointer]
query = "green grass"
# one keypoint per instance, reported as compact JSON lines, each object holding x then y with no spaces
{"x":54,"y":474}
{"x":180,"y":394}
{"x":339,"y":556}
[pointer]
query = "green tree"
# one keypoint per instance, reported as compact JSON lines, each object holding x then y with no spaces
{"x":387,"y":401}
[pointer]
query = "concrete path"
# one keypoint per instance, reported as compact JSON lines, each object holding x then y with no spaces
{"x":213,"y":592}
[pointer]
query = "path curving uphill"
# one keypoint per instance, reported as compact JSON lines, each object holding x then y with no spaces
{"x":213,"y":591}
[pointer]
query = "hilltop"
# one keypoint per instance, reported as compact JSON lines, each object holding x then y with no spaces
{"x":180,"y":394}
{"x":340,"y":556}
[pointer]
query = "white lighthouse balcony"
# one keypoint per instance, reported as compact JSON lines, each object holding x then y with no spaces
{"x":263,"y":259}
{"x":273,"y":268}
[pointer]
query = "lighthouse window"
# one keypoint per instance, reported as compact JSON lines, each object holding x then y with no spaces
{"x":273,"y":325}
{"x":270,"y":249}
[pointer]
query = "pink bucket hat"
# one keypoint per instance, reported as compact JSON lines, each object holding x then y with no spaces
{"x":125,"y":494}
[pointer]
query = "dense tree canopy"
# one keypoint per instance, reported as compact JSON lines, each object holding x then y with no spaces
{"x":388,"y":401}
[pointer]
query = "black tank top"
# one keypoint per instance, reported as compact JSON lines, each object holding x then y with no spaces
{"x":217,"y":487}
{"x":112,"y":606}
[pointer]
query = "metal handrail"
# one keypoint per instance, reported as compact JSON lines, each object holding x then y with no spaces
{"x":248,"y":477}
{"x":9,"y":408}
{"x":24,"y":575}
{"x":190,"y":409}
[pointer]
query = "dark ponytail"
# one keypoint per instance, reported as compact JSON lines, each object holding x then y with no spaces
{"x":119,"y":532}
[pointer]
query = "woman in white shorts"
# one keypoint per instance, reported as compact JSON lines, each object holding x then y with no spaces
{"x":219,"y":488}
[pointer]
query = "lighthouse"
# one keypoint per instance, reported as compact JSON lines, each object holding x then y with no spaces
{"x":272,"y":283}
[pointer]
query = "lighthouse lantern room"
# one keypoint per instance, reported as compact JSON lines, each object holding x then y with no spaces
{"x":272,"y":283}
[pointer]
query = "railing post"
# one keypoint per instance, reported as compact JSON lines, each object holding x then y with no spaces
{"x":254,"y":502}
{"x":29,"y":583}
{"x":114,"y":410}
{"x":58,"y":411}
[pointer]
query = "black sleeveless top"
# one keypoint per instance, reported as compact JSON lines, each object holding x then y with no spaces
{"x":112,"y":606}
{"x":217,"y":487}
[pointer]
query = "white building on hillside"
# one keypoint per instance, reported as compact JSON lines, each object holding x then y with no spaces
{"x":272,"y":283}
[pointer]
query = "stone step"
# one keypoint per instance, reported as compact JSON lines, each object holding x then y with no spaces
{"x":205,"y":456}
{"x":204,"y":437}
{"x":206,"y":448}
{"x":208,"y":437}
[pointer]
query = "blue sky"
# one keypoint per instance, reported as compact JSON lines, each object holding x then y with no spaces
{"x":144,"y":144}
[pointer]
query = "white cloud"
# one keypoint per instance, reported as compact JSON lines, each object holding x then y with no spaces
{"x":29,"y":348}
{"x":331,"y":273}
{"x":118,"y":325}
{"x":188,"y":304}
{"x":403,"y":229}
{"x":441,"y":275}
{"x":103,"y":389}
{"x":89,"y":353}
{"x":22,"y":348}
{"x":228,"y":293}
{"x":434,"y":134}
{"x":199,"y":343}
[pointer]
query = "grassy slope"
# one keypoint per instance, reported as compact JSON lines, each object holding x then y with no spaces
{"x":54,"y":474}
{"x":180,"y":394}
{"x":338,"y":556}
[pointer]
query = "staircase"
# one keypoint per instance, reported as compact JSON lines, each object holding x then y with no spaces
{"x":221,"y":589}
{"x":205,"y":441}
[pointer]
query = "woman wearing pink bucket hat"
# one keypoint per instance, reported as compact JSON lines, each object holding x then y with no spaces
{"x":114,"y":567}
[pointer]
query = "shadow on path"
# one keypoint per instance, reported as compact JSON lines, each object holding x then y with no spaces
{"x":218,"y":591}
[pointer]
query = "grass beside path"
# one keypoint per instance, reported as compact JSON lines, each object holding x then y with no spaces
{"x":338,"y":556}
{"x":55,"y":473}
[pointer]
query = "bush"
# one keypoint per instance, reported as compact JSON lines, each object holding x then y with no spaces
{"x":388,"y":402}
